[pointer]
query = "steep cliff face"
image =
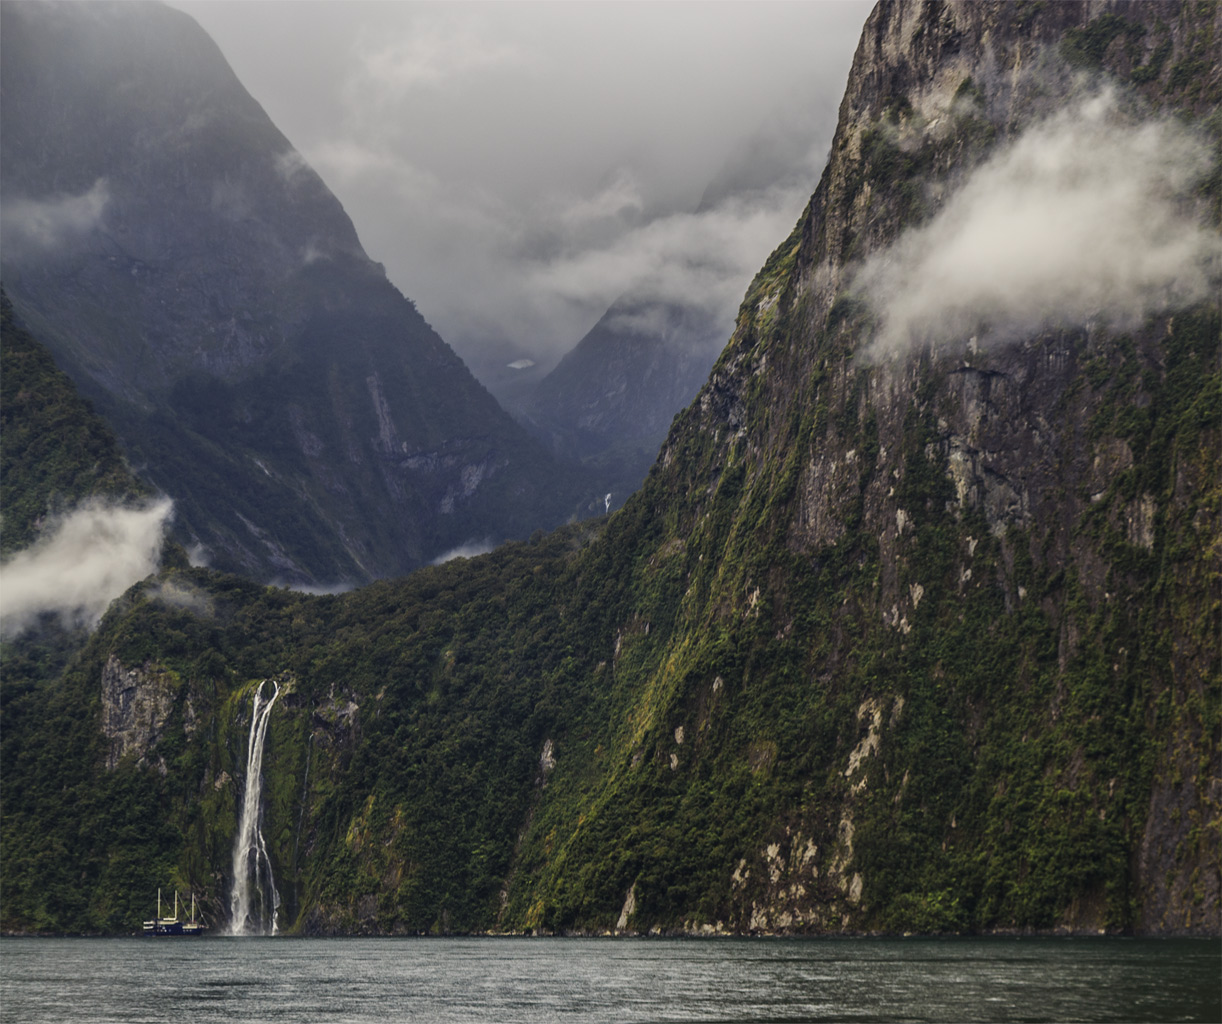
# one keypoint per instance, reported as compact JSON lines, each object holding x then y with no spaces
{"x":203,"y":287}
{"x":994,"y":526}
{"x":914,"y":625}
{"x":611,"y":400}
{"x":136,"y":706}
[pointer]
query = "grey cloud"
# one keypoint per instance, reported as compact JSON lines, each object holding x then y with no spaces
{"x":1086,"y":213}
{"x":290,"y":164}
{"x":48,"y":223}
{"x":316,"y":589}
{"x":198,"y":554}
{"x":179,"y":593}
{"x":495,"y":157}
{"x":82,"y":563}
{"x":438,"y":50}
{"x":312,"y":254}
{"x":653,"y":319}
{"x":469,"y":550}
{"x":702,"y":260}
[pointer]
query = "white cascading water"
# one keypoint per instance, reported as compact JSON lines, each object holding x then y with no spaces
{"x":254,"y":900}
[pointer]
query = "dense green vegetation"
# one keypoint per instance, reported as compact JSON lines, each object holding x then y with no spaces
{"x":54,"y":450}
{"x":55,"y":453}
{"x":1015,"y":776}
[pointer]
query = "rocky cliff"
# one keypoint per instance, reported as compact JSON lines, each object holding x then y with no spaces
{"x":1050,"y":471}
{"x":204,"y":288}
{"x":1037,"y":472}
{"x":913,"y":626}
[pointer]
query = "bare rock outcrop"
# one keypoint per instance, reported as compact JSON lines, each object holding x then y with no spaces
{"x":136,"y":708}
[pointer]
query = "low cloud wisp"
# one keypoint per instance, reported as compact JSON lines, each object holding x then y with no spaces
{"x":701,"y":261}
{"x":48,"y":223}
{"x":1088,"y":213}
{"x":81,"y":564}
{"x":471,"y":549}
{"x":317,"y":589}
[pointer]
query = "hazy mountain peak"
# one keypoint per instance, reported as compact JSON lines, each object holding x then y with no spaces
{"x":201,"y":283}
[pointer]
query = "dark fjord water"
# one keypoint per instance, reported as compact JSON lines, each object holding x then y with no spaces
{"x":541,"y":980}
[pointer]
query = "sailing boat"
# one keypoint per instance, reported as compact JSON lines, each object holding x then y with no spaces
{"x":171,"y":925}
{"x":193,"y":927}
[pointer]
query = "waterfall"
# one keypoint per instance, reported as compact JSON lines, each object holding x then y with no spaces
{"x":254,"y":900}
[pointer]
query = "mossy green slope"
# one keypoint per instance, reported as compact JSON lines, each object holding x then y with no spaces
{"x":55,"y":454}
{"x":54,"y":450}
{"x":924,"y":646}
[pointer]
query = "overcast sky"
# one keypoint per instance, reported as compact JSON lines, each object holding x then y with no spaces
{"x":518,"y":166}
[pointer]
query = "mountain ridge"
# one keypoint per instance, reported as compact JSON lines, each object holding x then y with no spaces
{"x":209,"y":294}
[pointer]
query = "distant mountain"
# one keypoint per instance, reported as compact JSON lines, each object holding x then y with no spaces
{"x":209,"y":294}
{"x":611,"y":399}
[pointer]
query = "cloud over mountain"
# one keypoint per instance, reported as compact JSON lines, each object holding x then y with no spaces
{"x":82,"y":563}
{"x":1087,"y":212}
{"x":497,"y":158}
{"x":46,"y":223}
{"x":699,"y":260}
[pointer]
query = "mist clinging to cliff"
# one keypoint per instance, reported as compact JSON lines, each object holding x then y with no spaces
{"x":81,"y":563}
{"x":45,"y":224}
{"x":1088,"y":213}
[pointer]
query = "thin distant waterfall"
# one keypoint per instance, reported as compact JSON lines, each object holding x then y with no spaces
{"x":254,"y":900}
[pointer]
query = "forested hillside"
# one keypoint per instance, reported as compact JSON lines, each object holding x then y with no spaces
{"x":57,"y":457}
{"x":913,"y":626}
{"x":54,"y":449}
